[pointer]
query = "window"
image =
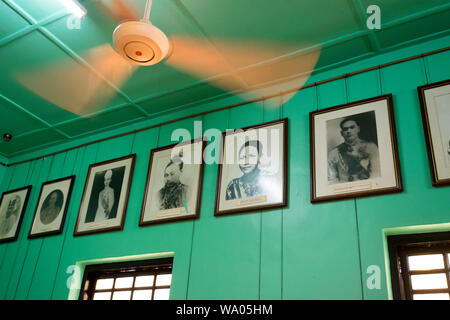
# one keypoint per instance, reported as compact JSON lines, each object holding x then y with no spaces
{"x":138,"y":280}
{"x":420,"y":266}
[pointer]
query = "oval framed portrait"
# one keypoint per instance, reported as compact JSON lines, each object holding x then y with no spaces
{"x":51,"y":208}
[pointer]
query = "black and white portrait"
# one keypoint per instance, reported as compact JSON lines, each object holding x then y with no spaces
{"x":105,"y":193}
{"x":10,"y":215}
{"x":249,"y":184}
{"x":448,"y":152}
{"x":354,"y":150}
{"x":105,"y":196}
{"x":252,"y":169}
{"x":174,"y":193}
{"x":51,"y":208}
{"x":12,"y":207}
{"x":442,"y":103}
{"x":435,"y":108}
{"x":173,"y":188}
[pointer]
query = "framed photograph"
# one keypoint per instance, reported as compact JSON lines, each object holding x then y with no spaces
{"x":105,"y":196}
{"x":12,"y":208}
{"x":51,"y":208}
{"x":354,"y":150}
{"x":435,"y":107}
{"x":252,"y":173}
{"x":174,"y":183}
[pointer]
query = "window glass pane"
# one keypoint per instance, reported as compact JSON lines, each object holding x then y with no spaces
{"x":122,"y":295}
{"x":163,"y":279}
{"x":426,"y":262}
{"x":144,"y":281}
{"x":86,"y":285}
{"x":124,"y":283}
{"x":162,"y":294}
{"x":429,"y":281}
{"x":431,"y":296}
{"x":102,"y":296}
{"x":142,"y":295}
{"x":129,"y":281}
{"x":104,"y":284}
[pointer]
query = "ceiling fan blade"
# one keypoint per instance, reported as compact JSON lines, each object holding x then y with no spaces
{"x":73,"y":86}
{"x":249,"y":67}
{"x":118,"y":10}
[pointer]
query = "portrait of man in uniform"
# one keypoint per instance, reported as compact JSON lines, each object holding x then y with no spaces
{"x":357,"y":156}
{"x":354,"y":150}
{"x":105,"y":196}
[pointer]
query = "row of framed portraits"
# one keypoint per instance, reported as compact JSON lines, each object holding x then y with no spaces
{"x":353,"y":150}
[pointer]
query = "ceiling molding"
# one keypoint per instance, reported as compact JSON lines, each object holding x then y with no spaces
{"x":17,"y":34}
{"x":84,"y":63}
{"x":32,"y":27}
{"x":315,"y":84}
{"x":210,"y":99}
{"x":188,"y":15}
{"x":135,"y":102}
{"x":359,"y":9}
{"x":24,"y":110}
{"x":56,"y":41}
{"x":227,"y":94}
{"x":142,"y":102}
{"x":326,"y":44}
{"x":416,"y":15}
{"x":114,"y":108}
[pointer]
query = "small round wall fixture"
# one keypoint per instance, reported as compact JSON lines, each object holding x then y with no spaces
{"x":7,"y":137}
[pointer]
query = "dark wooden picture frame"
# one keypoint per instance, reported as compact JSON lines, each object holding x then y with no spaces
{"x":435,"y":180}
{"x":283,"y":171}
{"x":21,"y":214}
{"x":119,"y":227}
{"x":63,"y":211}
{"x":397,"y":187}
{"x":196,"y":214}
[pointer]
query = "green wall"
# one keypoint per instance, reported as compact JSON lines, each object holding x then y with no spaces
{"x":3,"y":161}
{"x":2,"y":172}
{"x":304,"y":251}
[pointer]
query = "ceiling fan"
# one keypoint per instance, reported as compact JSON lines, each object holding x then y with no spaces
{"x":236,"y":66}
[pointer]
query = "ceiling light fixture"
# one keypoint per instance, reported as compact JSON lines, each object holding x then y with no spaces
{"x":140,"y":42}
{"x":74,"y":7}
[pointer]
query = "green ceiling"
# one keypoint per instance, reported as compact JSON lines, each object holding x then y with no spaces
{"x":34,"y":34}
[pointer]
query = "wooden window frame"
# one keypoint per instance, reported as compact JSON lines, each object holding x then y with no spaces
{"x":401,"y":246}
{"x":116,"y":270}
